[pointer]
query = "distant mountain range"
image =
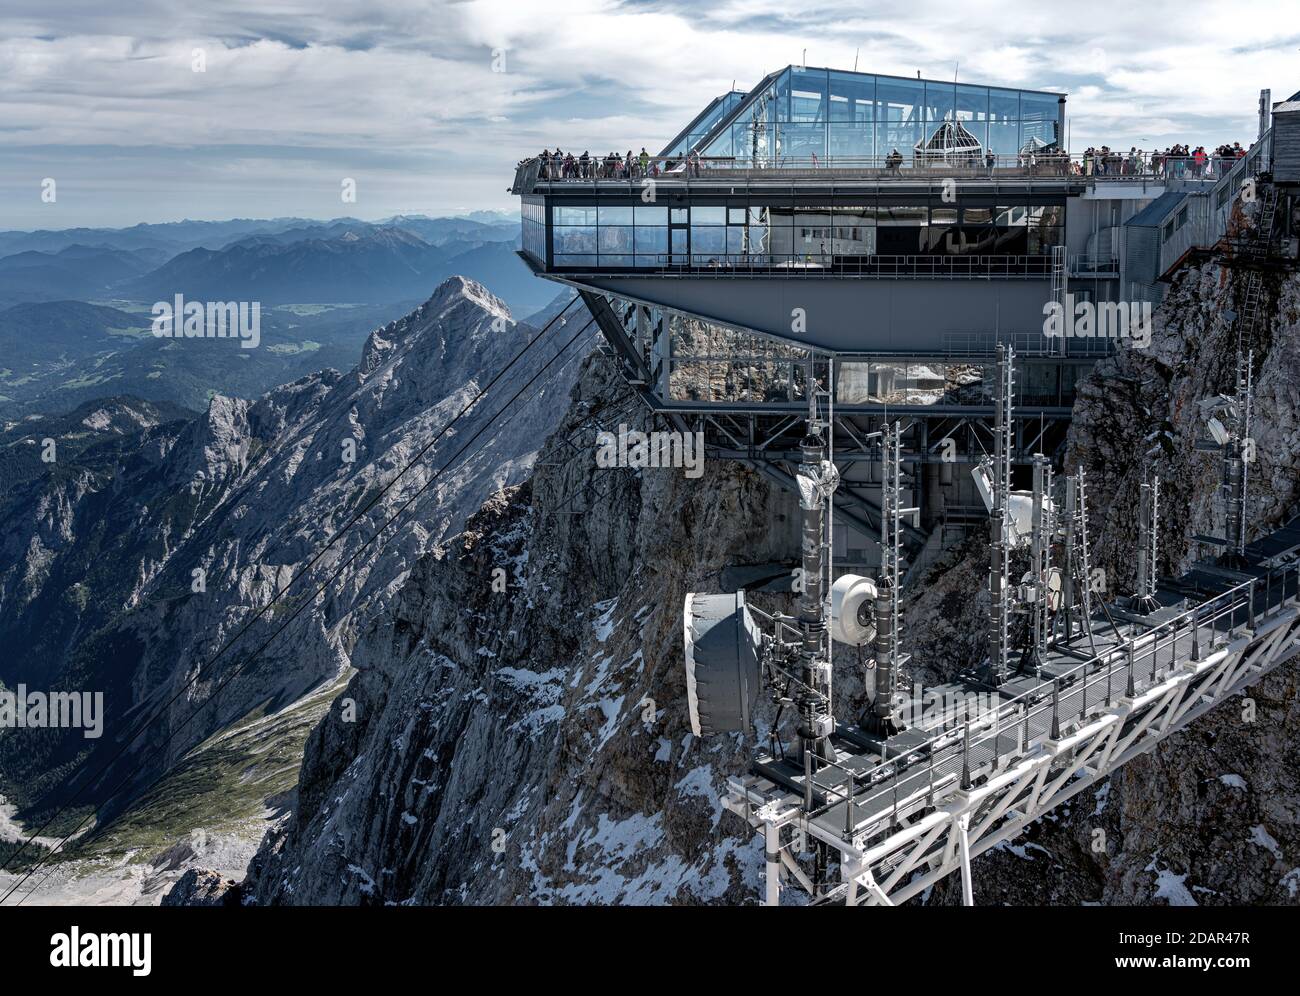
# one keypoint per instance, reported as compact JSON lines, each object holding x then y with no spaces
{"x":75,"y":271}
{"x":55,"y":355}
{"x":178,"y":236}
{"x":282,"y":261}
{"x":355,"y":265}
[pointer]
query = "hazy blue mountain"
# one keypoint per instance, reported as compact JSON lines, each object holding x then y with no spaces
{"x":56,"y":355}
{"x":441,"y":231}
{"x":179,"y":236}
{"x":75,"y":271}
{"x":357,"y":264}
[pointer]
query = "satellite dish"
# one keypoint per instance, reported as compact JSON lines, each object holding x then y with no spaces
{"x":722,"y":645}
{"x":853,"y":610}
{"x":1218,"y":431}
{"x":1020,"y":507}
{"x":1054,"y":584}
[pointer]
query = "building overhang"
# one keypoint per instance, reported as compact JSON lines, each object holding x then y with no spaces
{"x":841,"y":316}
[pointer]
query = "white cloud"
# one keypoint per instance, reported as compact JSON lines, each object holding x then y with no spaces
{"x":300,"y":93}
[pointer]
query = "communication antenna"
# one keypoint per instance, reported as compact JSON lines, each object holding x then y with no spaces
{"x":1078,"y":571}
{"x":882,"y":718}
{"x":1230,"y":423}
{"x":1144,"y":599}
{"x":817,"y":479}
{"x":999,"y":638}
{"x":1043,"y":580}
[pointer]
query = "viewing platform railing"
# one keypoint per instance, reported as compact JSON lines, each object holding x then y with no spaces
{"x":956,"y":267}
{"x":1148,"y":167}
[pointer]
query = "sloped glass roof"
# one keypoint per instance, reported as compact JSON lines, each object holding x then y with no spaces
{"x":833,"y":115}
{"x":703,"y":123}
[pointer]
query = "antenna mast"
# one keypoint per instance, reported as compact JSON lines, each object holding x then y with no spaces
{"x":817,"y":480}
{"x":889,"y":618}
{"x":1144,"y":599}
{"x":999,"y":639}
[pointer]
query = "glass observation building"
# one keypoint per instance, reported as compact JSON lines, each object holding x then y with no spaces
{"x":802,"y":112}
{"x":808,"y":172}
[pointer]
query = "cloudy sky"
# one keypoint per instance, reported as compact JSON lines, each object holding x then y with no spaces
{"x":408,"y":98}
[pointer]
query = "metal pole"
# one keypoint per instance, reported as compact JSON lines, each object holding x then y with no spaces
{"x":1056,"y":709}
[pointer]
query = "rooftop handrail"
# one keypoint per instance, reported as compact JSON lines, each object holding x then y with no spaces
{"x":1088,"y":166}
{"x":821,"y":264}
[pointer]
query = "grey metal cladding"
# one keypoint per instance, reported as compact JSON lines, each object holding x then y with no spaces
{"x":725,"y":642}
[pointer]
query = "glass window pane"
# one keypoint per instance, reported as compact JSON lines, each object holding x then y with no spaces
{"x":852,"y":97}
{"x":1004,"y":105}
{"x":897,"y":136}
{"x":781,"y":215}
{"x":575,"y":215}
{"x":575,"y":239}
{"x":972,"y":103}
{"x":801,"y":142}
{"x":1039,"y":107}
{"x":651,"y":239}
{"x":851,"y":140}
{"x":708,"y":215}
{"x":808,"y":95}
{"x":615,"y":215}
{"x":615,"y":239}
{"x":1004,"y":138}
{"x":939,"y":101}
{"x":708,"y":239}
{"x":899,"y":100}
{"x":902,"y":214}
{"x":648,"y":214}
{"x":679,"y":216}
{"x":736,"y":216}
{"x":1035,"y":135}
{"x":979,"y":130}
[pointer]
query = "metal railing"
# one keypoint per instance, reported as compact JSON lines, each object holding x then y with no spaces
{"x":817,"y":264}
{"x":1088,"y":264}
{"x":1208,"y":212}
{"x":1041,"y":706}
{"x":957,"y":164}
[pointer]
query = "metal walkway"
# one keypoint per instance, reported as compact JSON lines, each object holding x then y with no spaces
{"x":978,"y":770}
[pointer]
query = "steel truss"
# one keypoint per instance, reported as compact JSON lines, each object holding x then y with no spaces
{"x":983,"y":783}
{"x":766,"y":434}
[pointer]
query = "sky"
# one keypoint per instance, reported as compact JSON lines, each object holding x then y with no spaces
{"x":161,"y":110}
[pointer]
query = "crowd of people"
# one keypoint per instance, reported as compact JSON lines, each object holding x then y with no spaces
{"x":1175,"y":161}
{"x":560,"y":165}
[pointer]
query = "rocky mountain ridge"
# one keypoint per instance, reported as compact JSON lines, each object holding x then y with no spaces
{"x":153,"y":539}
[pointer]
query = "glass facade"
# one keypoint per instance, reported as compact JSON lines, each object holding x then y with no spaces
{"x":953,"y":382}
{"x":704,"y":123}
{"x":832,"y":114}
{"x":854,"y":236}
{"x":533,"y":223}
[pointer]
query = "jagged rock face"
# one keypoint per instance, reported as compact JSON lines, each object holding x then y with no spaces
{"x":532,"y":745}
{"x":97,"y":556}
{"x":201,"y":887}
